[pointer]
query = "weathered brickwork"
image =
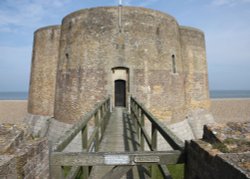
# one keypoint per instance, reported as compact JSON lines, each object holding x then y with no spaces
{"x":166,"y":63}
{"x":223,"y":152}
{"x":43,"y":72}
{"x":196,"y":75}
{"x":204,"y":163}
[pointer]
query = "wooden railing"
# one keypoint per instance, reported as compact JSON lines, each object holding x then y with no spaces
{"x":99,"y":118}
{"x":139,"y":114}
{"x":122,"y":161}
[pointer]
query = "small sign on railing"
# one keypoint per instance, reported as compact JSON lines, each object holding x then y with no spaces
{"x":147,"y":159}
{"x":116,"y":159}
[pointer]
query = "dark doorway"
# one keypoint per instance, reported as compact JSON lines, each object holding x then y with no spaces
{"x":120,"y":93}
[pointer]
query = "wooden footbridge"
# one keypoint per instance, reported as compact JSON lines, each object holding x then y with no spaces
{"x":117,"y":146}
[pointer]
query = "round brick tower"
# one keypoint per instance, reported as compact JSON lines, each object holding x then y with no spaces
{"x":43,"y":71}
{"x":118,"y":52}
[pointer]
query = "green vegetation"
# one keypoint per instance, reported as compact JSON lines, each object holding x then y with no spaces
{"x":176,"y":171}
{"x":237,"y":141}
{"x":232,"y":145}
{"x":66,"y":170}
{"x":221,"y":147}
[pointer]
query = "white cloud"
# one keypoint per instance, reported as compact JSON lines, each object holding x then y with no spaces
{"x":26,"y":12}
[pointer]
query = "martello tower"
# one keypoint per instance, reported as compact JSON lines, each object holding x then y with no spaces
{"x":118,"y":52}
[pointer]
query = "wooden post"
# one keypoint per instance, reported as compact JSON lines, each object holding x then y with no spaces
{"x":135,"y":122}
{"x":142,"y":126}
{"x":56,"y":172}
{"x":154,"y":137}
{"x":136,"y":110}
{"x":85,"y":170}
{"x":97,"y":133}
{"x":154,"y":168}
{"x":104,"y":117}
{"x":102,"y":120}
{"x":138,"y":124}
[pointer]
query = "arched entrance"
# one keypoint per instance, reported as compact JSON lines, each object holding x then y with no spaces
{"x":120,"y":93}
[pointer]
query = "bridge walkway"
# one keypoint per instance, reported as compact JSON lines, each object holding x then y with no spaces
{"x":116,"y":146}
{"x":120,"y":136}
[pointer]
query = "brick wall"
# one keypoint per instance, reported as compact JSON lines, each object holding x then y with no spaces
{"x":205,"y":163}
{"x":222,"y":153}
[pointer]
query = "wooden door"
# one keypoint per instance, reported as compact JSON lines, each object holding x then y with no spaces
{"x":120,"y":93}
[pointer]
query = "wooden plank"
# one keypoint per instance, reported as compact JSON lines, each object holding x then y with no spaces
{"x":117,"y":172}
{"x":116,"y":158}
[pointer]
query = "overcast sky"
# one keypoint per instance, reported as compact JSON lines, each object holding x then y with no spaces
{"x":226,"y":24}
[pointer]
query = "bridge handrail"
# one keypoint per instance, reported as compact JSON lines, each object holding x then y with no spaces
{"x":138,"y":110}
{"x":101,"y":114}
{"x":70,"y":134}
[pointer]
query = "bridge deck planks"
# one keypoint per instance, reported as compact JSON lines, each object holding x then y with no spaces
{"x":119,"y":136}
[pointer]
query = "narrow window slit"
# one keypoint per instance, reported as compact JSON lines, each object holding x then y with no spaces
{"x":173,"y":64}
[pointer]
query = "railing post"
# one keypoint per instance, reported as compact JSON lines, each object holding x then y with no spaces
{"x":107,"y":109}
{"x":56,"y":172}
{"x":154,"y":137}
{"x":142,"y":126}
{"x":110,"y":104}
{"x":135,"y":121}
{"x":132,"y":108}
{"x":101,"y":121}
{"x":85,"y":170}
{"x":97,"y":133}
{"x":138,"y":123}
{"x":136,"y":110}
{"x":154,"y":168}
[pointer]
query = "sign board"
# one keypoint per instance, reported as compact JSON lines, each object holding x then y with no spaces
{"x":116,"y":159}
{"x":147,"y":159}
